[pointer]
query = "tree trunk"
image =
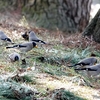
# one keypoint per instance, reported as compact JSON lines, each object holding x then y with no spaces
{"x":93,"y":29}
{"x":64,"y":15}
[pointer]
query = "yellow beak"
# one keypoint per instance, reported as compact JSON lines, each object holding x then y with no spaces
{"x":36,"y":46}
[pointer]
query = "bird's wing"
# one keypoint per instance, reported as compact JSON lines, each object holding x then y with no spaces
{"x":88,"y":69}
{"x":39,"y":41}
{"x":21,"y":46}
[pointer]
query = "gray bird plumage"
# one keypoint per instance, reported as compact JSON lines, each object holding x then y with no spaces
{"x":33,"y":37}
{"x":91,"y":70}
{"x":3,"y":37}
{"x":87,"y":61}
{"x":24,"y":47}
{"x":14,"y":57}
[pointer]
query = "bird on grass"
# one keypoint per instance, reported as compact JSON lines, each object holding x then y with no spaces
{"x":14,"y":57}
{"x":92,"y":71}
{"x":4,"y":38}
{"x":87,"y":61}
{"x":24,"y":47}
{"x":33,"y":37}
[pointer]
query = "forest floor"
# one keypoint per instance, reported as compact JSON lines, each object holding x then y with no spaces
{"x":46,"y":72}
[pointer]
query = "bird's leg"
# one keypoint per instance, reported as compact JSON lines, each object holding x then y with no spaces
{"x":24,"y":56}
{"x":23,"y":62}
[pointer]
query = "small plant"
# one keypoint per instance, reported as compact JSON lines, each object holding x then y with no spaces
{"x":24,"y":22}
{"x":27,"y":79}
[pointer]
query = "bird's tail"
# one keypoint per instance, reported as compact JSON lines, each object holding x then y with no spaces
{"x":43,"y":42}
{"x":40,"y":41}
{"x":88,"y":69}
{"x":11,"y":46}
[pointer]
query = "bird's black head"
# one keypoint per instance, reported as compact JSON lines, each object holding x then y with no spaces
{"x":29,"y":32}
{"x":34,"y":44}
{"x":16,"y":58}
{"x":25,"y":36}
{"x":7,"y":39}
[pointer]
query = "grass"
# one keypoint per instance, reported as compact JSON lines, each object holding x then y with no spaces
{"x":53,"y":71}
{"x":47,"y":69}
{"x":66,"y":95}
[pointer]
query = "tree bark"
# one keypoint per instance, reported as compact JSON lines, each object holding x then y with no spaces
{"x":65,"y":15}
{"x":93,"y":28}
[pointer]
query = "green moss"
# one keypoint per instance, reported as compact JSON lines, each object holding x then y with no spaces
{"x":66,"y":95}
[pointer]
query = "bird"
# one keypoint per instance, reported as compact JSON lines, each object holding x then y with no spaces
{"x":33,"y":37}
{"x":87,"y":61}
{"x":92,"y":71}
{"x":24,"y":47}
{"x":25,"y":36}
{"x":14,"y":56}
{"x":3,"y":37}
